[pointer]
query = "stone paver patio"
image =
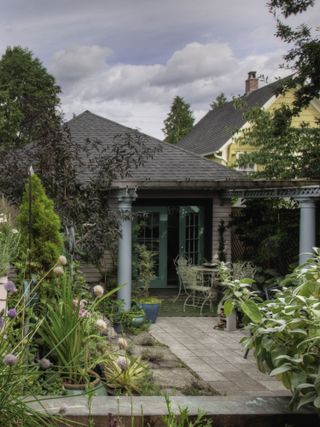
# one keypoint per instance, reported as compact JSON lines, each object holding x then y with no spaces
{"x":215,"y":355}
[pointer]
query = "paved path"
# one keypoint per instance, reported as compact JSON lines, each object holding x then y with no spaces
{"x":215,"y":355}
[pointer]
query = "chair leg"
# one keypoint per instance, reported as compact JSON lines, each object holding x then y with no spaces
{"x":185,"y":303}
{"x":203,"y":304}
{"x":179,"y":293}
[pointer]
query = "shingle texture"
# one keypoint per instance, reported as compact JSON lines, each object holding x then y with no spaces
{"x":218,"y":125}
{"x":169,"y":163}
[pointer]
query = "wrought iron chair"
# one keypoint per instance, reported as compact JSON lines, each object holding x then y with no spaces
{"x":197,"y":283}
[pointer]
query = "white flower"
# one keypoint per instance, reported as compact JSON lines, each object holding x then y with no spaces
{"x":122,"y":362}
{"x":62,"y":260}
{"x":58,"y":270}
{"x":122,"y":343}
{"x":98,"y":290}
{"x":101,"y":325}
{"x":15,"y":231}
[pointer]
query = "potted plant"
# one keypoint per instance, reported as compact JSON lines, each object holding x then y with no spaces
{"x":69,"y":331}
{"x":135,"y":317}
{"x":145,"y":274}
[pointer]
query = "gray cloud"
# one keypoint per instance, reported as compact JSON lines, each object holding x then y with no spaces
{"x":160,"y":49}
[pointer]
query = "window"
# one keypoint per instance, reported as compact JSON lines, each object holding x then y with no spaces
{"x":247,"y":168}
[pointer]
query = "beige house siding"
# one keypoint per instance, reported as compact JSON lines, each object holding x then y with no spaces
{"x":221,"y":210}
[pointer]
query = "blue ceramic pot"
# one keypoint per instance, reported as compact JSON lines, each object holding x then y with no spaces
{"x":151,"y":311}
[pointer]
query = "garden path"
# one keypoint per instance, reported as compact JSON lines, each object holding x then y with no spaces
{"x":215,"y":355}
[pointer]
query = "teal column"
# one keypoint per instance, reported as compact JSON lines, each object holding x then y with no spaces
{"x":125,"y":199}
{"x":307,"y":239}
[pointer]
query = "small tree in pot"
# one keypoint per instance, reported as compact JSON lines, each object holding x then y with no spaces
{"x":145,"y":267}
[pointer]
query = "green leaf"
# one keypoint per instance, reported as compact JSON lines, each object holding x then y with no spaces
{"x":284,"y":368}
{"x":308,"y":398}
{"x":251,"y":309}
{"x":317,"y":402}
{"x":228,"y":307}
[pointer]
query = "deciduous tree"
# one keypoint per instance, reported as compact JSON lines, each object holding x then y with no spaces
{"x":29,"y":98}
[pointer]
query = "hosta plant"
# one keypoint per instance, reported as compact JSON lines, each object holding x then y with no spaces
{"x":238,"y":294}
{"x":286,"y":335}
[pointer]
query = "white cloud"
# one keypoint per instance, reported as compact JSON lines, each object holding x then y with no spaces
{"x":140,"y":95}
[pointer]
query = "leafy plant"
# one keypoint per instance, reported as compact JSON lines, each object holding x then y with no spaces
{"x":145,"y":266}
{"x":68,"y":332}
{"x":285,"y":335}
{"x":124,"y":373}
{"x":19,"y":372}
{"x":238,"y":294}
{"x":183,"y":418}
{"x":9,"y":244}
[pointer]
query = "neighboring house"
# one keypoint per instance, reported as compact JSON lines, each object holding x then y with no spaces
{"x":178,"y":192}
{"x":215,"y":136}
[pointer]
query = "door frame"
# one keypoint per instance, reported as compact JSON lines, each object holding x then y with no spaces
{"x":161,"y":280}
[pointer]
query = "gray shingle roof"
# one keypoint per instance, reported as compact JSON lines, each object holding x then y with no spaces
{"x":218,"y":125}
{"x":170,"y":163}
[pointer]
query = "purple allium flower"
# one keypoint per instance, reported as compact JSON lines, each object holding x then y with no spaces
{"x":10,"y":287}
{"x":1,"y":322}
{"x":84,"y":313}
{"x":45,"y":363}
{"x":10,"y":359}
{"x":12,"y":312}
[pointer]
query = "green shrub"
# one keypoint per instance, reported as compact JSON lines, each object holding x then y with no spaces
{"x":46,"y":240}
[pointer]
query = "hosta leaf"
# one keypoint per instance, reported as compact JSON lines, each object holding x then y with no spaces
{"x":308,"y":398}
{"x":317,"y":402}
{"x":251,"y":309}
{"x":283,"y":368}
{"x":228,"y":307}
{"x":305,"y":385}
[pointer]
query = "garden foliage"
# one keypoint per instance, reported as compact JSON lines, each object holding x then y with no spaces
{"x":46,"y":239}
{"x":285,"y":331}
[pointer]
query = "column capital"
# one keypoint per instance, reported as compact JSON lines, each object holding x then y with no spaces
{"x":306,"y":202}
{"x":127,"y":194}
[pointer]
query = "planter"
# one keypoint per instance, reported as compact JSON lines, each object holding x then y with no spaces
{"x":95,"y":385}
{"x":231,"y":324}
{"x":138,"y":320}
{"x":151,"y":311}
{"x":3,"y":293}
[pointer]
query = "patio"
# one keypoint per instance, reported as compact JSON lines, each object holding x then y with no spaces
{"x":216,"y":356}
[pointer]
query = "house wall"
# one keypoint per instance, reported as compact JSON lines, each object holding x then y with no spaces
{"x":220,"y":210}
{"x":308,"y":115}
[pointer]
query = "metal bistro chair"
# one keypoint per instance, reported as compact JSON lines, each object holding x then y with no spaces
{"x":198,"y":284}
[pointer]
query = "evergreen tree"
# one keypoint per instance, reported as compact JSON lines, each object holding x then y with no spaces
{"x":179,"y":122}
{"x":219,"y":101}
{"x":46,"y":240}
{"x":29,"y":98}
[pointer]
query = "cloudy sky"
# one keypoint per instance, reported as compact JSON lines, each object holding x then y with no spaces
{"x":128,"y":59}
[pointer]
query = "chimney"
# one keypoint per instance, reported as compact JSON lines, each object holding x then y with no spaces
{"x":252,"y":83}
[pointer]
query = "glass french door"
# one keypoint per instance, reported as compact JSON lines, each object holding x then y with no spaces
{"x":191,"y":233}
{"x":150,"y":229}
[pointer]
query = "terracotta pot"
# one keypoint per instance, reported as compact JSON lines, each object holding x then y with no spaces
{"x":3,"y":292}
{"x":95,"y":384}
